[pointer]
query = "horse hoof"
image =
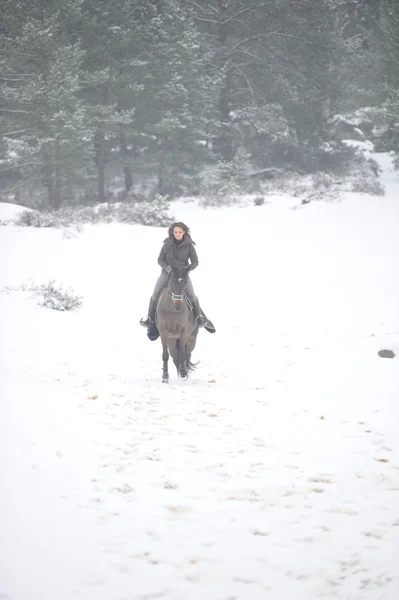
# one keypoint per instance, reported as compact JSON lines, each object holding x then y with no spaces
{"x":165,"y":379}
{"x":183,"y":375}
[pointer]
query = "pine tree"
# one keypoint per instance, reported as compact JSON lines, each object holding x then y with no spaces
{"x":113,"y":36}
{"x":171,"y":107}
{"x":388,"y":49}
{"x":42,"y":118}
{"x":232,"y":31}
{"x":275,"y":59}
{"x":92,"y":90}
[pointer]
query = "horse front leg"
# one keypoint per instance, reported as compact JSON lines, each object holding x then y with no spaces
{"x":165,"y":358}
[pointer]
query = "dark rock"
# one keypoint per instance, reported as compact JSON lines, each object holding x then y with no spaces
{"x":386,"y":353}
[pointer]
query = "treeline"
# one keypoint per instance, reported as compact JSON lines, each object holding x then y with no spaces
{"x":97,"y":94}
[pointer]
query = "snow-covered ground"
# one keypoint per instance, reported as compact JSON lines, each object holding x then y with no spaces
{"x":272,"y":473}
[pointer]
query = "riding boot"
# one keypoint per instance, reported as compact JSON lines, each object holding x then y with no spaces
{"x":150,"y":318}
{"x":198,"y":313}
{"x":209,"y":326}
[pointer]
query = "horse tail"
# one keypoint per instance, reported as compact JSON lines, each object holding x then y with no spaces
{"x":190,"y":365}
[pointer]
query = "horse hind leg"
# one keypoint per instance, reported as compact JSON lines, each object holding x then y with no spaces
{"x":191,"y":341}
{"x":181,"y":359}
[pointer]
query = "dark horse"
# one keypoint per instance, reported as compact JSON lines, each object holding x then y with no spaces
{"x":177,"y":324}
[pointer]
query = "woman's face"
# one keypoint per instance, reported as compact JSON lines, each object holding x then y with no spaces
{"x":178,"y":233}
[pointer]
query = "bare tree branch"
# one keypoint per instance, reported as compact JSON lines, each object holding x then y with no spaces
{"x":204,"y":20}
{"x":201,"y":8}
{"x":250,"y":88}
{"x":247,"y":10}
{"x":14,"y":79}
{"x":16,"y":165}
{"x":16,"y":132}
{"x":9,"y":110}
{"x":388,"y":33}
{"x":245,"y":41}
{"x":296,"y":37}
{"x":259,"y":60}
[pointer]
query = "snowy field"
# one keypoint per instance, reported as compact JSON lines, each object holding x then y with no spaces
{"x":272,"y":474}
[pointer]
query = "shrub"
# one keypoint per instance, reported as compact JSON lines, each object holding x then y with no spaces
{"x":56,"y":298}
{"x":50,"y":295}
{"x":154,"y":213}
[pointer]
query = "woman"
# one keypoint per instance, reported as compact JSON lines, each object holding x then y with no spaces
{"x":178,"y":249}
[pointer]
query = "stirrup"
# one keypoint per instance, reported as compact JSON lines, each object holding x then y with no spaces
{"x":201,"y":320}
{"x":145,"y":321}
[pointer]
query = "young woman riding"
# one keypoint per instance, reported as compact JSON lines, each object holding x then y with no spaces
{"x":177,"y":250}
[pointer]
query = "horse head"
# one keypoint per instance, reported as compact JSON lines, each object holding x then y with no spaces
{"x":177,"y":285}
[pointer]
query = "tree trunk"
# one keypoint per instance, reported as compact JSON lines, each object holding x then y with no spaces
{"x":99,"y":145}
{"x":226,"y":142}
{"x":57,"y":197}
{"x":49,"y":178}
{"x":161,"y":171}
{"x":225,"y":139}
{"x":127,"y":169}
{"x":69,"y":186}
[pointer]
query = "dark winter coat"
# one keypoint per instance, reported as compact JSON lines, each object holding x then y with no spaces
{"x":175,"y":253}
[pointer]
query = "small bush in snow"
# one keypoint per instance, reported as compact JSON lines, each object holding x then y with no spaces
{"x":50,"y":295}
{"x":153,"y":213}
{"x":361,"y":174}
{"x":224,"y":184}
{"x":334,"y":157}
{"x":34,"y":218}
{"x":220,"y":186}
{"x":364,"y":176}
{"x":368,"y":186}
{"x":57,"y":298}
{"x":319,"y":186}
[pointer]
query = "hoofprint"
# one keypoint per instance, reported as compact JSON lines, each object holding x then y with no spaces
{"x":273,"y":472}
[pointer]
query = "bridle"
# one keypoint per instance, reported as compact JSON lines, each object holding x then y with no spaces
{"x":177,"y":299}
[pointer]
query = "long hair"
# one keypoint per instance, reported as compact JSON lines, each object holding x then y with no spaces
{"x":178,"y":224}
